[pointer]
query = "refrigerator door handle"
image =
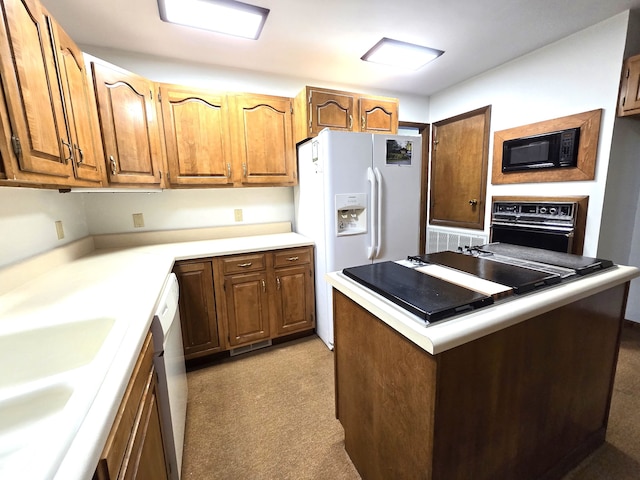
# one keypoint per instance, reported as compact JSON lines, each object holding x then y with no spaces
{"x":378,"y":175}
{"x":371,"y":177}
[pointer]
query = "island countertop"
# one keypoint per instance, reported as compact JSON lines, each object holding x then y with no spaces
{"x":443,"y":335}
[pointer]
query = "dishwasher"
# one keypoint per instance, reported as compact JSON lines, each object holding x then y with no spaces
{"x":168,"y":359}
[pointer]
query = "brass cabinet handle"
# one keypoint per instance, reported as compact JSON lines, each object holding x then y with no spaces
{"x":244,"y":169}
{"x":473,"y":202}
{"x":68,"y":145}
{"x":244,"y":265}
{"x":350,"y":122}
{"x":292,"y":259}
{"x":363,"y":124}
{"x":114,"y":169}
{"x":264,"y":286}
{"x":278,"y":282}
{"x":228,"y":170}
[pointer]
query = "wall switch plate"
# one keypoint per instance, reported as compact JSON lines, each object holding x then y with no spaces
{"x":138,"y":220}
{"x":59,"y":229}
{"x":237,"y":214}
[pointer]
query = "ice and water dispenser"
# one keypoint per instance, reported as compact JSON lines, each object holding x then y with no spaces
{"x":351,"y":214}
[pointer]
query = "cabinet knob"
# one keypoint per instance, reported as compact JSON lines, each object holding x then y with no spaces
{"x":473,"y":202}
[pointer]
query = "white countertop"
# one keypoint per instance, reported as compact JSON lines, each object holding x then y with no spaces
{"x":123,"y":284}
{"x":454,"y":331}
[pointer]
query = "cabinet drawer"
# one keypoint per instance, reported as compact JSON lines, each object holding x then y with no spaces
{"x":118,"y":440}
{"x":243,"y":263}
{"x":296,"y":256}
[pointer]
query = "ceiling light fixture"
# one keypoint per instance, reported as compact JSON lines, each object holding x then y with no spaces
{"x":401,"y":54}
{"x":222,"y":16}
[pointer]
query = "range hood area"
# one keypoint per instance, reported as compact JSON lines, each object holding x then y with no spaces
{"x":441,"y":285}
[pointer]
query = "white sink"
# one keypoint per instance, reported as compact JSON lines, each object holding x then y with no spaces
{"x":49,"y":376}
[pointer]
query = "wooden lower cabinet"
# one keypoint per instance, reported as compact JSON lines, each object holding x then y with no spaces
{"x":200,"y":333}
{"x":134,"y":448}
{"x":235,"y":300}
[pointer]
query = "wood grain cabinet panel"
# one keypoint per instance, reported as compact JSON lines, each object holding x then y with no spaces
{"x":200,"y":332}
{"x":33,"y":96}
{"x":629,"y":97}
{"x":129,"y":125}
{"x":247,"y":308}
{"x":263,"y":140}
{"x":294,"y":299}
{"x":320,"y":108}
{"x":196,"y":129}
{"x":80,"y":108}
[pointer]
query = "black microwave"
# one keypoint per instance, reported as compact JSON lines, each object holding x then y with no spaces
{"x":548,"y":150}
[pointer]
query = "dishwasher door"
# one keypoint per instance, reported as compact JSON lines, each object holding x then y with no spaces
{"x":172,"y":378}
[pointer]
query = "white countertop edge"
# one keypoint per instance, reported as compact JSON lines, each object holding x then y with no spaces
{"x":446,"y":334}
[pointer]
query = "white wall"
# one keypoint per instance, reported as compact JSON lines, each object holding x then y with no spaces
{"x":175,"y":209}
{"x":576,"y":74}
{"x":27,"y":221}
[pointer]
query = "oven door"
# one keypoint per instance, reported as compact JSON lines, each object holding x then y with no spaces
{"x":558,"y":240}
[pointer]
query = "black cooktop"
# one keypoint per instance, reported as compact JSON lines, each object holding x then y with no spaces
{"x":580,"y":264}
{"x":521,"y":279}
{"x":428,"y":297}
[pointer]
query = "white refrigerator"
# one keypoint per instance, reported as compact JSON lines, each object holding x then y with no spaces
{"x":358,"y":199}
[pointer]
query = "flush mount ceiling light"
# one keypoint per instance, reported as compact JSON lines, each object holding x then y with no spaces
{"x":401,"y":54}
{"x":222,"y":16}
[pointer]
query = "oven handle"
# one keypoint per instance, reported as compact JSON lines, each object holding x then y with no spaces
{"x":567,"y":231}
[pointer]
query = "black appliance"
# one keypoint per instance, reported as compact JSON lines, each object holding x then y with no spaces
{"x":428,"y":297}
{"x":549,"y":150}
{"x":547,"y":225}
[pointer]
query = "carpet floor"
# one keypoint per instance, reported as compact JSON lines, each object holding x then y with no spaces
{"x":269,"y":415}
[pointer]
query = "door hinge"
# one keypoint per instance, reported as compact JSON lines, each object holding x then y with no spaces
{"x":15,"y":144}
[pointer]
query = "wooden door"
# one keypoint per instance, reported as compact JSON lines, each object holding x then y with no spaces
{"x":129,"y":123}
{"x":629,"y":100}
{"x":247,"y":308}
{"x":196,"y":128}
{"x":263,"y":140}
{"x":459,"y":154}
{"x":200,"y":333}
{"x":378,"y":115}
{"x":80,"y":107}
{"x":331,"y":109}
{"x":294,"y":303}
{"x":39,"y":136}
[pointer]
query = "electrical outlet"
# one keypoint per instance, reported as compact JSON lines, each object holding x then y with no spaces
{"x":237,"y":214}
{"x":59,"y":229}
{"x":138,"y":220}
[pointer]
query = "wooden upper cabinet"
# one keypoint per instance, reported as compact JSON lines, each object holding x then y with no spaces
{"x":129,"y":124}
{"x":196,"y":130}
{"x":629,"y":97}
{"x":459,"y":157}
{"x":33,"y":97}
{"x":262,"y":136}
{"x":80,"y":107}
{"x":378,"y":115}
{"x":320,"y":108}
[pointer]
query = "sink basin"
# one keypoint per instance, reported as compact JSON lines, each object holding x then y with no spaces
{"x":47,"y":351}
{"x":49,"y":379}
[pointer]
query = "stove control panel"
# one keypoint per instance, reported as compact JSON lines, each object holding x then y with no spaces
{"x":535,"y":213}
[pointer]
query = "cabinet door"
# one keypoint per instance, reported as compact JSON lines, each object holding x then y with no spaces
{"x":197,"y":136}
{"x":80,"y":107}
{"x":378,"y":115}
{"x":331,"y":109}
{"x":39,"y":136}
{"x":247,"y":308}
{"x":129,"y":124}
{"x":200,"y":333}
{"x":459,"y":157}
{"x":629,"y":99}
{"x":294,"y":302}
{"x":263,"y":140}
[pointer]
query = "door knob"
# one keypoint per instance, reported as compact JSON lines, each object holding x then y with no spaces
{"x":473,"y":202}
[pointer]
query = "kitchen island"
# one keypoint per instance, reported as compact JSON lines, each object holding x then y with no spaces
{"x":517,"y":390}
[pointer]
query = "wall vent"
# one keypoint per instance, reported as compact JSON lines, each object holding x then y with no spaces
{"x":249,"y":348}
{"x":439,"y":240}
